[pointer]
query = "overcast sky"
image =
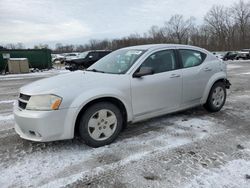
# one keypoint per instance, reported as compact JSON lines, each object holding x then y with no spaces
{"x":76,"y":21}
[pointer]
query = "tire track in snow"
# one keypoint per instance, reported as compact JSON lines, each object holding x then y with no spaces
{"x":67,"y":165}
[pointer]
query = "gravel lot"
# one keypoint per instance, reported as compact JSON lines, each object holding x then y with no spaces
{"x":193,"y":148}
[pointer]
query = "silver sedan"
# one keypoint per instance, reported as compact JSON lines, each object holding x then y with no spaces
{"x":128,"y":85}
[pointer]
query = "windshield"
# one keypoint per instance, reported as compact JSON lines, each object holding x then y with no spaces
{"x":117,"y":62}
{"x":83,"y":55}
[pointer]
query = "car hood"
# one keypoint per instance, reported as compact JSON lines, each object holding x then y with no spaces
{"x":74,"y":81}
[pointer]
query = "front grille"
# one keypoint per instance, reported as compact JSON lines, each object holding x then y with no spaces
{"x":23,"y":100}
{"x":24,"y":97}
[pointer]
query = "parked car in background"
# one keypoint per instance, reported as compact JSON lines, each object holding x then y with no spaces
{"x":230,"y":56}
{"x":85,"y":59}
{"x":128,"y":85}
{"x":70,"y":56}
{"x":246,"y":50}
{"x":243,"y":55}
{"x":218,"y":55}
{"x":57,"y":58}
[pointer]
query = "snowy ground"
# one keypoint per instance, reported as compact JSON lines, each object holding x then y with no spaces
{"x":188,"y":149}
{"x":33,"y":75}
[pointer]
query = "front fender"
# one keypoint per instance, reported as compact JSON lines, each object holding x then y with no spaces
{"x":94,"y":94}
{"x":213,"y":79}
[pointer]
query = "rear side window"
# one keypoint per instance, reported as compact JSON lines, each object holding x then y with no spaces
{"x":191,"y":58}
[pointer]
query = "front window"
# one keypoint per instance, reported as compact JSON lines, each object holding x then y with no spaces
{"x":161,"y":61}
{"x":118,"y":62}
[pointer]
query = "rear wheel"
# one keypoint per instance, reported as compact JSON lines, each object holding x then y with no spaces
{"x":100,"y":124}
{"x":216,"y":98}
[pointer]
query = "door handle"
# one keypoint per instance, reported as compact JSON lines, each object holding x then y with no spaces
{"x":207,"y":69}
{"x":175,"y":76}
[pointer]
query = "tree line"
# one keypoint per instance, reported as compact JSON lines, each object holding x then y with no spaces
{"x":223,"y":29}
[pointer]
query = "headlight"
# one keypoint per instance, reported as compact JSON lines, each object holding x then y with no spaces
{"x":44,"y":102}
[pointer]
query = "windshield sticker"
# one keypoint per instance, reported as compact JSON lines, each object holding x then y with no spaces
{"x":134,"y":52}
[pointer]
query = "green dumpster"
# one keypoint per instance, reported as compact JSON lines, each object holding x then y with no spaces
{"x":38,"y":58}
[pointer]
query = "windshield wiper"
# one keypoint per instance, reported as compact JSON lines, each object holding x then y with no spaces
{"x":94,"y":70}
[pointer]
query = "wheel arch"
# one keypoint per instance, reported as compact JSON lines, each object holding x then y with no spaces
{"x":219,"y":77}
{"x":112,"y":100}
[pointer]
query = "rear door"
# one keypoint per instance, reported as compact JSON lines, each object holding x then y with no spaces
{"x":196,"y":73}
{"x":161,"y":90}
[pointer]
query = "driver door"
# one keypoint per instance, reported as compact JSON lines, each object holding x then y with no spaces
{"x":160,"y":91}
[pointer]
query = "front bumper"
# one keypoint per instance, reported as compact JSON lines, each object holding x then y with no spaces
{"x":43,"y":126}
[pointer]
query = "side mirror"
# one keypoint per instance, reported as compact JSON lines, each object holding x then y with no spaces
{"x":143,"y":71}
{"x":90,"y":57}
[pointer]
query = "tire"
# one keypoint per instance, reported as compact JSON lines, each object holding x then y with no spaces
{"x":81,"y":67}
{"x":100,"y":124}
{"x":216,"y":98}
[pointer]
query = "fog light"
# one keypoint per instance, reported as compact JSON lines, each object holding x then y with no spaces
{"x":33,"y":133}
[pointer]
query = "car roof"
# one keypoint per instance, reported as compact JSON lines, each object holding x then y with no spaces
{"x":158,"y":46}
{"x":98,"y":51}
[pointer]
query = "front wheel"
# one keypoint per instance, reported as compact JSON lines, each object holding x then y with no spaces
{"x":81,"y":67}
{"x":216,"y":98}
{"x":100,"y":124}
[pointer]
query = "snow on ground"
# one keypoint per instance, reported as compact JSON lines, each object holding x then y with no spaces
{"x":6,"y":117}
{"x":7,"y":101}
{"x":7,"y":93}
{"x":237,"y":110}
{"x":47,"y":168}
{"x":242,"y":97}
{"x":231,"y":175}
{"x":246,"y":73}
{"x":233,"y":66}
{"x":33,"y":74}
{"x":6,"y":122}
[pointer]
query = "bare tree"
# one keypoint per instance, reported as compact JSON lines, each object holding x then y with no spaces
{"x":179,"y":29}
{"x":80,"y":48}
{"x":241,"y":13}
{"x":224,"y":28}
{"x":41,"y":46}
{"x":157,"y":34}
{"x":58,"y":46}
{"x":219,"y":22}
{"x":10,"y":46}
{"x":20,"y":45}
